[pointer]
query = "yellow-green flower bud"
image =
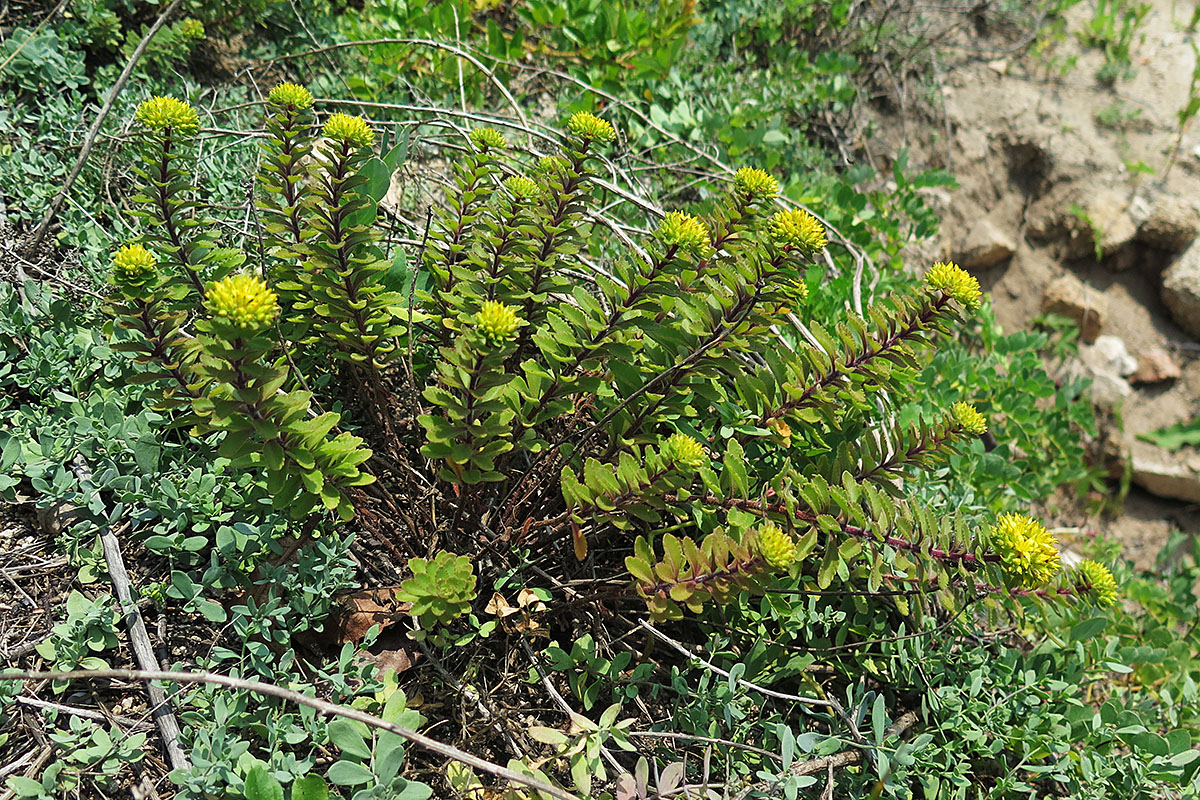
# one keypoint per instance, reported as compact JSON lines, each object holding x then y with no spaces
{"x":1028,"y":552}
{"x":191,"y":28}
{"x":243,"y":301}
{"x":487,"y":139}
{"x":291,"y":95}
{"x":1099,"y":581}
{"x":956,"y":282}
{"x":166,"y":114}
{"x":798,"y":230}
{"x":968,"y":418}
{"x":132,"y":268}
{"x":521,"y":187}
{"x":684,"y":452}
{"x":497,"y":322}
{"x":776,"y":546}
{"x":751,"y":184}
{"x":351,"y":130}
{"x":590,"y":128}
{"x":553,"y":165}
{"x":683,"y":231}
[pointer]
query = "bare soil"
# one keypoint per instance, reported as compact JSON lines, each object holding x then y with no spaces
{"x":1027,"y":142}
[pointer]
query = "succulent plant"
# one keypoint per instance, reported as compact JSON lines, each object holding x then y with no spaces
{"x":440,"y":590}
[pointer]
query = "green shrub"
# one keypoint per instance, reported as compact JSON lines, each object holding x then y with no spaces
{"x":662,"y":389}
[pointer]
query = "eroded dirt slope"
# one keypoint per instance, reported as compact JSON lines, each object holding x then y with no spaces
{"x":1081,"y":198}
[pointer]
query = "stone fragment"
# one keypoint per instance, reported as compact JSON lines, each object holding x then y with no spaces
{"x":1108,"y":354}
{"x":1074,"y":299}
{"x":1164,"y":474}
{"x":1181,"y":290}
{"x":1171,"y":225}
{"x":1111,"y":225}
{"x":1108,"y":391}
{"x":1154,"y":366}
{"x":985,"y":245}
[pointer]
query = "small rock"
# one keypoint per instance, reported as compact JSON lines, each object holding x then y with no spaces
{"x":1171,"y":225}
{"x":985,"y":245}
{"x":1154,"y":366}
{"x":1072,"y":298}
{"x":1108,"y":390}
{"x":1181,"y":289}
{"x":1163,"y":474}
{"x":999,"y":66}
{"x":1111,"y":225}
{"x":1108,"y":354}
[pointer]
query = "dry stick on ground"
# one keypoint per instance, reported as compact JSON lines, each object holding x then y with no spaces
{"x":35,"y":769}
{"x":562,"y":702}
{"x":94,"y":131}
{"x":139,"y":638}
{"x":830,"y":762}
{"x":76,"y":711}
{"x":323,"y":706}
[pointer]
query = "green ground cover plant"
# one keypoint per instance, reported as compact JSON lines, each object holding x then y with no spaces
{"x":685,"y":487}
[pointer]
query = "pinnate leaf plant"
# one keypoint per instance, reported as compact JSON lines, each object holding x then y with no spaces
{"x":647,"y":401}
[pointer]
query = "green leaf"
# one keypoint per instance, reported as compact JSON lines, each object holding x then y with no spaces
{"x":379,"y":178}
{"x":1088,"y":628}
{"x":1174,"y":436}
{"x":210,"y":610}
{"x":261,"y":786}
{"x":396,"y":157}
{"x":25,"y":787}
{"x":1148,"y":742}
{"x":310,"y":787}
{"x":878,"y":719}
{"x":550,"y":736}
{"x":733,"y":477}
{"x":412,"y":790}
{"x":349,"y":773}
{"x":828,"y":568}
{"x":350,"y":737}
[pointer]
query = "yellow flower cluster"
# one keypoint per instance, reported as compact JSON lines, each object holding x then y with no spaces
{"x":191,"y":28}
{"x":497,"y":322}
{"x":798,"y":230}
{"x":163,"y":114}
{"x":488,"y":139}
{"x":776,"y":546}
{"x":243,"y":301}
{"x":590,"y":128}
{"x":956,"y":282}
{"x":133,"y":264}
{"x":1099,"y":581}
{"x":683,"y":451}
{"x":1028,"y":552}
{"x":521,"y":187}
{"x":291,"y":95}
{"x":683,"y":231}
{"x":345,"y":128}
{"x":967,"y":417}
{"x":753,"y":184}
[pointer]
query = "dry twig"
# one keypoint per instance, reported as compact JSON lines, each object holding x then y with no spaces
{"x":322,"y":706}
{"x":139,"y":638}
